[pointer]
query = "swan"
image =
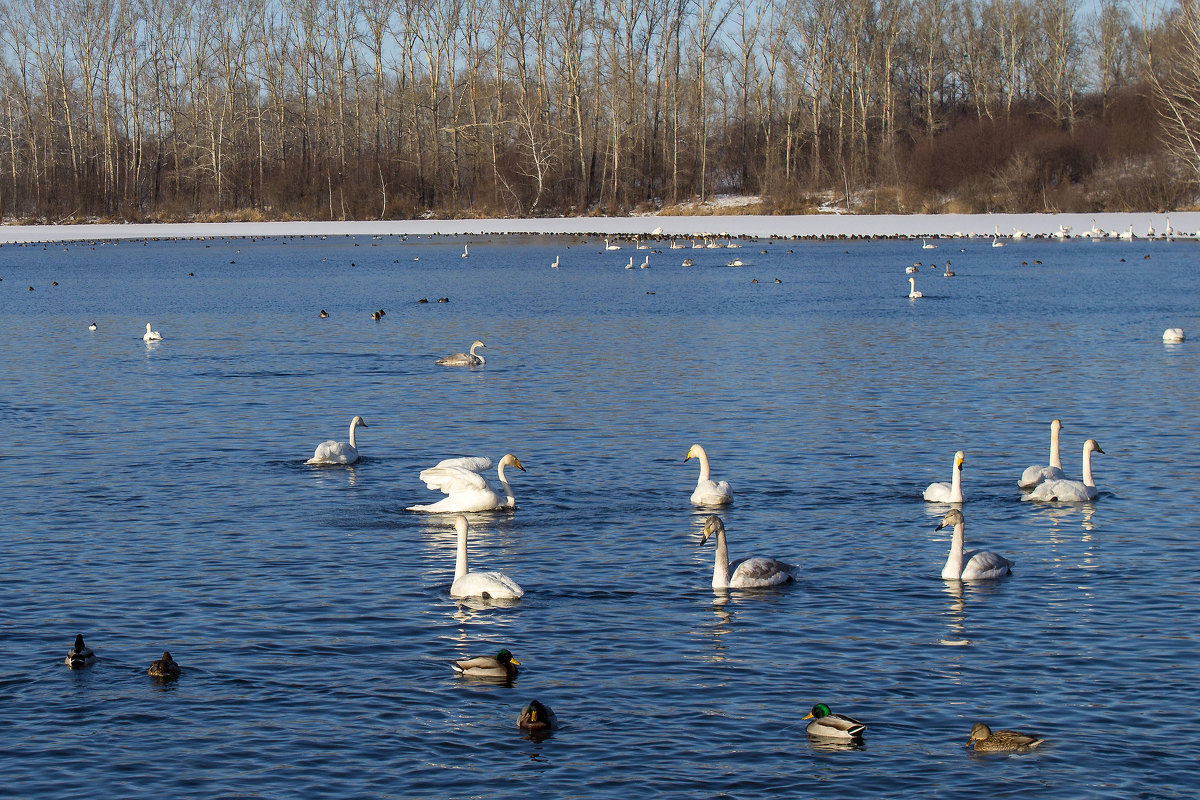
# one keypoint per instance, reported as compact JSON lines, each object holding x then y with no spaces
{"x":537,"y":717}
{"x":80,"y":655}
{"x":151,"y":335}
{"x":829,"y":725}
{"x":1150,"y":230}
{"x":927,"y":246}
{"x":165,"y":668}
{"x":1063,"y":232}
{"x":466,"y":252}
{"x":1034,"y":475}
{"x":1068,"y":491}
{"x":637,"y":244}
{"x":555,"y":262}
{"x":985,"y":739}
{"x":913,"y":294}
{"x":974,"y":565}
{"x":608,"y":246}
{"x":756,"y":572}
{"x":1169,"y":232}
{"x":465,"y":489}
{"x":1173,"y":335}
{"x":708,"y":492}
{"x":502,"y":666}
{"x":1019,"y":234}
{"x":646,"y":264}
{"x":470,"y":359}
{"x":687,"y":262}
{"x":332,"y":452}
{"x":1097,"y":232}
{"x":949,"y":273}
{"x":676,"y":245}
{"x":630,"y":264}
{"x":948,"y":492}
{"x":996,"y":242}
{"x":488,"y":585}
{"x":1126,"y":235}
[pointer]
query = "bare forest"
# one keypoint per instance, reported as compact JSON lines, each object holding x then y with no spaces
{"x":365,"y":109}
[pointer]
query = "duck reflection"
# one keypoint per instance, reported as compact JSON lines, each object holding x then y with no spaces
{"x":822,"y":744}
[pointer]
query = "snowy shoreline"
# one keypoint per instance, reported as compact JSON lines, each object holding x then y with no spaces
{"x":1184,"y":224}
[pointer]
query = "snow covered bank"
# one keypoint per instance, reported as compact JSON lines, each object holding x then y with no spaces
{"x":823,"y":225}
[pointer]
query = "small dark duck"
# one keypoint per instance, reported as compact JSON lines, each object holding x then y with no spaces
{"x":80,"y":655}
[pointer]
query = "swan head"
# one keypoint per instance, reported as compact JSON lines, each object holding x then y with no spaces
{"x":953,"y":517}
{"x":510,"y":460}
{"x":1092,"y":444}
{"x":358,"y":421}
{"x":695,"y":451}
{"x":712,"y":525}
{"x":818,"y":711}
{"x":477,"y":343}
{"x":960,"y":459}
{"x":1056,"y":425}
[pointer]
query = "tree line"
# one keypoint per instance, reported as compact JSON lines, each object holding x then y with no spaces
{"x":170,"y":109}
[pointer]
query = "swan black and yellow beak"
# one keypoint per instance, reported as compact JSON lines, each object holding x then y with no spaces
{"x":518,"y":464}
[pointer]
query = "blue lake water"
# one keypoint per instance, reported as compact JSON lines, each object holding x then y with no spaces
{"x":156,"y":498}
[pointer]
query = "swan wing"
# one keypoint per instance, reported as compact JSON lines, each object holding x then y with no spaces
{"x":453,"y":480}
{"x":1035,"y":475}
{"x":1062,"y":492}
{"x":711,"y":493}
{"x":472,"y":463}
{"x":983,"y":564}
{"x":487,"y":585}
{"x":937,"y":493}
{"x":332,"y":452}
{"x":759,"y":571}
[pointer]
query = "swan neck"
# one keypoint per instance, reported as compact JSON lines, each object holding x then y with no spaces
{"x":1087,"y":467}
{"x":956,"y":483}
{"x":1055,"y":461}
{"x":460,"y":561}
{"x":703,"y":458}
{"x":510,"y":500}
{"x":353,"y":425}
{"x":954,"y":562}
{"x":721,"y":565}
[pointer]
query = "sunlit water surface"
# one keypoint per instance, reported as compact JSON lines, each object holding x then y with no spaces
{"x":156,"y":498}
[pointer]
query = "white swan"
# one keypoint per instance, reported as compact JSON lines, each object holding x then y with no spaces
{"x":1019,"y":234}
{"x":151,"y":335}
{"x":996,"y":242}
{"x":630,"y":264}
{"x":608,"y":246}
{"x":1067,"y":491}
{"x":488,"y":585}
{"x":466,"y":253}
{"x":332,"y":452}
{"x":756,"y":572}
{"x":1126,"y":235}
{"x":1173,"y":335}
{"x":927,"y":246}
{"x":913,"y":294}
{"x":470,"y":359}
{"x":913,"y":270}
{"x":948,"y":492}
{"x":1063,"y":232}
{"x":1036,"y":474}
{"x":974,"y":565}
{"x":465,"y":489}
{"x":646,"y":263}
{"x":708,"y":492}
{"x":555,"y":262}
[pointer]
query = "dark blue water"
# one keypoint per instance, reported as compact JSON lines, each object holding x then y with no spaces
{"x":156,"y":499}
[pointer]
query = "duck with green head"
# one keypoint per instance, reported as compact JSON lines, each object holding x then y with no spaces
{"x":537,"y":717}
{"x":829,"y":725}
{"x":501,"y":666}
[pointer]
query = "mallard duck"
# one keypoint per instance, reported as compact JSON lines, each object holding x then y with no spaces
{"x":984,"y":739}
{"x":829,"y":725}
{"x":80,"y":655}
{"x":537,"y":717}
{"x":166,"y":668}
{"x":501,"y":666}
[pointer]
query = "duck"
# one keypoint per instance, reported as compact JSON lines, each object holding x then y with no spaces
{"x":92,"y":327}
{"x":1036,"y":474}
{"x":80,"y":655}
{"x":465,"y":488}
{"x":151,"y":335}
{"x":829,"y":725}
{"x":1170,"y":335}
{"x":1069,"y":491}
{"x":755,"y":572}
{"x":913,"y":270}
{"x":488,"y":585}
{"x":165,"y":668}
{"x":913,"y":294}
{"x":984,"y":739}
{"x":708,"y":492}
{"x":941,"y":492}
{"x":333,"y":452}
{"x":471,"y":359}
{"x":324,"y":314}
{"x":500,"y":666}
{"x":974,"y":565}
{"x":537,"y":716}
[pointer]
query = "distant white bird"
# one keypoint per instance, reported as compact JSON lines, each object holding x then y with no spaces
{"x":913,"y":270}
{"x":488,"y":585}
{"x":927,"y":246}
{"x":608,"y":246}
{"x":755,"y":572}
{"x":913,"y":294}
{"x":332,"y":452}
{"x":1019,"y":234}
{"x":1173,"y":335}
{"x":471,"y":359}
{"x":1068,"y":491}
{"x":1036,"y":474}
{"x":1150,"y":230}
{"x":974,"y":565}
{"x":708,"y":492}
{"x":555,"y":262}
{"x":630,"y":264}
{"x":948,"y":492}
{"x":151,"y":335}
{"x":1126,"y":235}
{"x":996,"y":242}
{"x":1063,"y":232}
{"x":92,"y":326}
{"x":466,"y":252}
{"x":646,"y":264}
{"x":465,"y":488}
